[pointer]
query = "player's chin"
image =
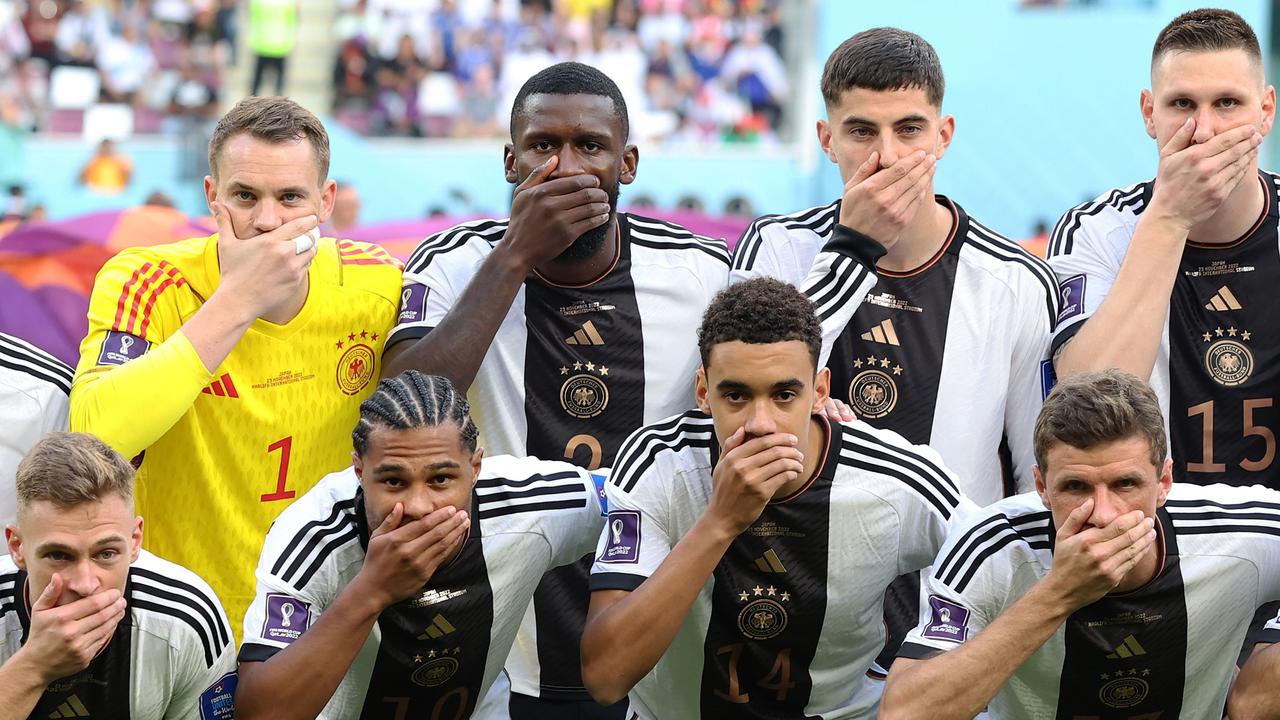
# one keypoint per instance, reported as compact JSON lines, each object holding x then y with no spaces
{"x":586,"y":246}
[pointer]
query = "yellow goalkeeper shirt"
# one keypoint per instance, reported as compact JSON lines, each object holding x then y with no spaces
{"x":223,"y":453}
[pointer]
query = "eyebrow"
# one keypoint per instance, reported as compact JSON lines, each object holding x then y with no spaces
{"x":788,"y":384}
{"x":237,"y":186}
{"x":104,"y":542}
{"x":388,"y":467}
{"x":855,"y":120}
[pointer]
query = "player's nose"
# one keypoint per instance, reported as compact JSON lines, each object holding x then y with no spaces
{"x":890,"y":151}
{"x":267,"y":218}
{"x":760,"y":421}
{"x":80,"y":579}
{"x":418,"y":505}
{"x":570,"y":163}
{"x":1104,"y":508}
{"x":1205,"y":129}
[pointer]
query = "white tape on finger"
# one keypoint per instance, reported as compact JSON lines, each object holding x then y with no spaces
{"x":303,"y":243}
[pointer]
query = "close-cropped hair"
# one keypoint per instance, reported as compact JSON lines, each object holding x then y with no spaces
{"x":759,"y":311}
{"x":1093,"y":409}
{"x":71,"y":469}
{"x":571,"y":78}
{"x":883,"y":58}
{"x":275,"y":120}
{"x":1207,"y":29}
{"x":414,"y":400}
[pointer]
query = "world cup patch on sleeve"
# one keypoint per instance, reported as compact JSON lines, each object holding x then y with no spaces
{"x":1072,"y":292}
{"x":600,"y":477}
{"x":623,"y":527}
{"x":120,"y":347}
{"x":948,"y":621}
{"x":413,"y":303}
{"x":218,"y":701}
{"x":1048,"y":378}
{"x":287,"y":618}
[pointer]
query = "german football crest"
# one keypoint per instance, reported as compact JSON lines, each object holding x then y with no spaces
{"x":358,"y":363}
{"x":584,"y":393}
{"x":1227,"y":358}
{"x":764,"y":614}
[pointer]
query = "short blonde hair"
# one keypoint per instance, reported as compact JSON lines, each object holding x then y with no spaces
{"x":70,"y":469}
{"x":274,"y":120}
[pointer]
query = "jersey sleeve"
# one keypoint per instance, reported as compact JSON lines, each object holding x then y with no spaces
{"x":635,"y":539}
{"x":1028,"y":384}
{"x":929,"y":504}
{"x":576,"y":529}
{"x":1083,"y":255}
{"x":841,"y":276}
{"x":203,"y":691}
{"x":138,"y":373}
{"x":766,"y":249}
{"x":428,"y":288}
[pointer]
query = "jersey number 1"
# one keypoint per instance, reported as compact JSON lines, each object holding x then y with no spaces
{"x":285,"y":446}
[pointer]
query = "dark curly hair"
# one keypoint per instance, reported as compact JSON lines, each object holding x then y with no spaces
{"x":412,"y":400}
{"x":759,"y":311}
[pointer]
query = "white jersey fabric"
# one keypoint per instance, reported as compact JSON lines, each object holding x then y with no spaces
{"x":948,"y":354}
{"x":172,"y":656}
{"x":790,"y":620}
{"x":1165,"y":650}
{"x":34,"y":391}
{"x":438,"y":653}
{"x":571,"y":372}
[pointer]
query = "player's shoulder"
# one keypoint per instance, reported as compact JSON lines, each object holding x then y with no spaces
{"x":11,"y":579}
{"x":810,"y":226}
{"x":1001,"y":534}
{"x":1095,"y":220}
{"x":182,"y":262}
{"x":527,"y":490}
{"x":471,"y":240}
{"x":366,"y":266}
{"x":1003,"y":258}
{"x":896,"y":466}
{"x":679,"y":442}
{"x":173,"y":602}
{"x":313,"y":529}
{"x":35,"y":365}
{"x":1223,"y":509}
{"x":675,"y":241}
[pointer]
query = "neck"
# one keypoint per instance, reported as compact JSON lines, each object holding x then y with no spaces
{"x":580,"y":272}
{"x":920,"y":240}
{"x":814,"y":452}
{"x":288,"y":311}
{"x":1236,"y":215}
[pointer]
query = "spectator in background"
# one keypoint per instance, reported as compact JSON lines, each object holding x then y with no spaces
{"x":346,"y":208}
{"x":479,"y":116}
{"x":16,"y":206}
{"x":80,"y":33}
{"x":125,"y":62}
{"x":108,"y":171}
{"x":1038,"y":243}
{"x":755,"y":71}
{"x":273,"y":30}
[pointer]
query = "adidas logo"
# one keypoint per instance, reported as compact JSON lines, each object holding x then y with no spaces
{"x":222,"y":387}
{"x":585,"y":335}
{"x":1127,"y":649}
{"x":882,"y":333}
{"x":770,"y":562}
{"x":438,"y":628}
{"x":1223,"y":300}
{"x":72,"y":708}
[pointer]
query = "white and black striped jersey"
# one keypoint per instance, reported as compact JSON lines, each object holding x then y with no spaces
{"x":1216,"y":372}
{"x":1166,"y":650}
{"x":171,"y":658}
{"x":437,"y":653}
{"x":790,"y":619}
{"x":570,"y":373}
{"x":948,"y":354}
{"x":34,"y":390}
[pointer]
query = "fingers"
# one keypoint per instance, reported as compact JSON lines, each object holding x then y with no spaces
{"x":1075,"y":521}
{"x":222,"y":218}
{"x":540,"y":173}
{"x":764,"y":443}
{"x":864,"y":171}
{"x":436,"y":529}
{"x":109,"y":614}
{"x":1134,"y":553}
{"x":87,"y":607}
{"x":390,"y":522}
{"x":578,"y":228}
{"x":292,"y":229}
{"x":837,"y":411}
{"x":96,"y":631}
{"x":1124,"y":531}
{"x":733,"y":441}
{"x":52,"y":592}
{"x":1234,"y":142}
{"x":918,"y":165}
{"x":1181,"y":140}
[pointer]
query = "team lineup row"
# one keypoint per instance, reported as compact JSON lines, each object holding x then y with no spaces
{"x":611,"y":552}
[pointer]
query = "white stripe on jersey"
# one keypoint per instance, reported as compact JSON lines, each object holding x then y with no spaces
{"x":21,"y":356}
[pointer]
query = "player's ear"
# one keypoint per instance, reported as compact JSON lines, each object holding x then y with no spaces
{"x":14,"y":540}
{"x":135,"y":542}
{"x":824,"y":139}
{"x":509,"y":162}
{"x":1041,"y":488}
{"x":1166,"y":482}
{"x":946,"y":130}
{"x":821,"y":389}
{"x":476,"y":458}
{"x":1146,"y":103}
{"x":356,"y":464}
{"x":1268,"y":109}
{"x":630,"y":160}
{"x":700,"y":390}
{"x":328,"y":196}
{"x":210,"y":191}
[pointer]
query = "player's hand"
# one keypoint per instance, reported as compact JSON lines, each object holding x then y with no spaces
{"x":748,"y":474}
{"x":547,"y":215}
{"x":837,"y":410}
{"x":403,"y":556}
{"x":263,"y":272}
{"x":1089,"y":563}
{"x":64,"y":640}
{"x":879,"y":203}
{"x":1194,"y":180}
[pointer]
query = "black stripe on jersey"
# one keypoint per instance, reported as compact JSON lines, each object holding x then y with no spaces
{"x":984,"y":540}
{"x":905,"y":457}
{"x":836,"y":288}
{"x":509,"y":509}
{"x":664,"y":235}
{"x":574,"y":488}
{"x":21,"y":356}
{"x":503,"y":482}
{"x":9,"y":591}
{"x":1001,"y":248}
{"x":1063,"y":238}
{"x":491,"y":231}
{"x":334,"y":542}
{"x":642,"y":449}
{"x":814,"y":219}
{"x":195,"y":608}
{"x":1188,"y":505}
{"x":303,"y":540}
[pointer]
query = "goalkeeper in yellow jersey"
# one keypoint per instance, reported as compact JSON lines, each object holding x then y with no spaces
{"x":232,"y":367}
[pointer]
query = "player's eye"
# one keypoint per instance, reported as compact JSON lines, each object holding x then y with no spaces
{"x":292,"y":197}
{"x":393,"y":482}
{"x":787,"y":396}
{"x":1182,"y":104}
{"x":734,"y":397}
{"x":108,"y":555}
{"x":542,"y":146}
{"x":1228,"y":102}
{"x":911,"y":130}
{"x":592,"y":147}
{"x":57,"y":557}
{"x":243,"y":195}
{"x":860,"y":132}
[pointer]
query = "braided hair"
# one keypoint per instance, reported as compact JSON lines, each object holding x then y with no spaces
{"x":413,"y":400}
